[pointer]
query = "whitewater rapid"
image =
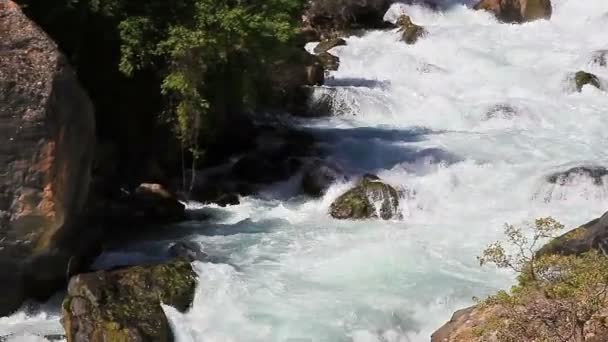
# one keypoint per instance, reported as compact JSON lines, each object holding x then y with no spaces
{"x":416,"y":115}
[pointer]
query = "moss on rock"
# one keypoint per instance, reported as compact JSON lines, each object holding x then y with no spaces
{"x":360,"y":202}
{"x":125,"y":305}
{"x":583,"y":78}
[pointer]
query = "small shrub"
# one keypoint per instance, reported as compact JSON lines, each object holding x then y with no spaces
{"x":557,"y":298}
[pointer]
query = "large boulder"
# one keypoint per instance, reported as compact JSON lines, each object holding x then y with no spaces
{"x":517,"y":11}
{"x":370,"y":198}
{"x":330,"y":16}
{"x":125,"y":305}
{"x":47,"y":137}
{"x":410,"y":32}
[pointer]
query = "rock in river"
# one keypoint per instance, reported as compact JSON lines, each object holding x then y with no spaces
{"x":125,"y":304}
{"x":370,"y":198}
{"x":517,"y":11}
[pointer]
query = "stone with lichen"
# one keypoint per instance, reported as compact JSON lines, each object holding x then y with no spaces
{"x":125,"y":304}
{"x":371,"y":198}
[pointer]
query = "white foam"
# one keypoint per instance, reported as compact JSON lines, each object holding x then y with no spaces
{"x":416,"y":116}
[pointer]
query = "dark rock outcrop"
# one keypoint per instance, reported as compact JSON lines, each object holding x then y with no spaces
{"x":125,"y":305}
{"x":330,"y":16}
{"x":319,"y":176}
{"x":47,"y":137}
{"x":595,"y":173}
{"x":187,"y":250}
{"x":146,"y":204}
{"x":292,"y":78}
{"x":582,"y":78}
{"x":360,"y":202}
{"x":329,"y":61}
{"x":410,"y":31}
{"x":592,"y":235}
{"x":517,"y":11}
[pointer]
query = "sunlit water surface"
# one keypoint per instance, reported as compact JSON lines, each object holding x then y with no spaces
{"x":417,"y":116}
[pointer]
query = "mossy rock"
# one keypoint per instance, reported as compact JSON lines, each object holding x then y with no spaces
{"x":329,"y":44}
{"x":410,"y":31}
{"x":583,"y":78}
{"x":125,"y":304}
{"x":360,"y":202}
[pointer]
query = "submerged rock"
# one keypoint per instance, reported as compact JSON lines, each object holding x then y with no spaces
{"x":410,"y":31}
{"x":582,"y":78}
{"x":501,"y":111}
{"x":47,"y":138}
{"x":329,"y":44}
{"x":125,"y":305}
{"x":517,"y":11}
{"x":319,"y":176}
{"x":187,"y":250}
{"x":595,"y":173}
{"x":360,"y":202}
{"x":600,"y":58}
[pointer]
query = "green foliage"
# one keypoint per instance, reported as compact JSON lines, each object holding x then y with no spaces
{"x":557,"y":298}
{"x":208,"y":46}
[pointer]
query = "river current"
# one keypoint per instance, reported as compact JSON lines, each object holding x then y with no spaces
{"x":468,"y":123}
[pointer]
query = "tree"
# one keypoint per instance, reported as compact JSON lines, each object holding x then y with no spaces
{"x":212,"y":55}
{"x":557,"y":298}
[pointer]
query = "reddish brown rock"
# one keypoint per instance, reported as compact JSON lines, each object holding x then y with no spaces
{"x":47,"y":135}
{"x":517,"y":11}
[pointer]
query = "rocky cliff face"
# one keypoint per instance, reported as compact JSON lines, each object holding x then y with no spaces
{"x":329,"y":16}
{"x":47,"y":135}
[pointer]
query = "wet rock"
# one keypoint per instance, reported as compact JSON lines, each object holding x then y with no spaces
{"x":329,"y":61}
{"x":47,"y":137}
{"x":187,"y":250}
{"x":227,"y":199}
{"x":595,"y":173}
{"x":582,"y":78}
{"x":517,"y":11}
{"x":329,"y":44}
{"x":410,"y":31}
{"x":319,"y":176}
{"x":501,"y":111}
{"x":600,"y":58}
{"x":360,"y":202}
{"x":291,"y":78}
{"x":125,"y":304}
